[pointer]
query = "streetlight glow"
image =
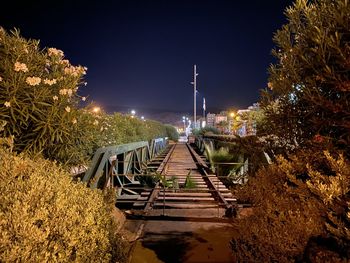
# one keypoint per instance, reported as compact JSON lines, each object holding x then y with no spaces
{"x":96,"y":109}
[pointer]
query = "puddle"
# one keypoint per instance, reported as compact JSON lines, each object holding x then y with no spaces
{"x":205,"y":242}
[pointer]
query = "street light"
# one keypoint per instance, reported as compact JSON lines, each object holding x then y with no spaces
{"x":96,"y":109}
{"x":133,"y":112}
{"x":142,"y":118}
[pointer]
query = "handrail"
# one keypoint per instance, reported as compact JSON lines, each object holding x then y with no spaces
{"x":125,"y":160}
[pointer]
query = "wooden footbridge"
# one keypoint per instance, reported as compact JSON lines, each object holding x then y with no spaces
{"x":158,"y":179}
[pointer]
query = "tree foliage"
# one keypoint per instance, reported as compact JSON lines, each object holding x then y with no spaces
{"x":310,"y":82}
{"x":301,"y":202}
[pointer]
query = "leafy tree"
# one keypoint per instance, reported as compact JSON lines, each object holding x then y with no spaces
{"x":310,"y":82}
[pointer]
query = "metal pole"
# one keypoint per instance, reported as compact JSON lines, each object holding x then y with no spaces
{"x":194,"y":95}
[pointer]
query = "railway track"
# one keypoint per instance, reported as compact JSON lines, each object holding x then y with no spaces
{"x":187,"y":188}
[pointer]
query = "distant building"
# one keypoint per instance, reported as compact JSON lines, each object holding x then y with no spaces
{"x":220,"y":118}
{"x":211,"y":119}
{"x":248,"y":124}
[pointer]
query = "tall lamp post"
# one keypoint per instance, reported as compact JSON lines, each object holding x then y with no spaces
{"x":195,"y":74}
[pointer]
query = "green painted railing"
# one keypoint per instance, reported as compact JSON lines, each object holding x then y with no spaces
{"x":117,"y":166}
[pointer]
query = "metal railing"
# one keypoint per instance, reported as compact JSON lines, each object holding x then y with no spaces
{"x":118,"y":165}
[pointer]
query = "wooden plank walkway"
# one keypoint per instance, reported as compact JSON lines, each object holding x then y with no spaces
{"x":179,"y":164}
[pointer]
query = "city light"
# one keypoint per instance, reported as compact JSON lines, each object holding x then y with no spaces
{"x":142,"y":118}
{"x":232,"y":114}
{"x":96,"y":109}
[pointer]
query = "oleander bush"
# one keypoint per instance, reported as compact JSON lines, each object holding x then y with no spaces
{"x":46,"y":217}
{"x":38,"y":96}
{"x":39,"y":101}
{"x":300,"y":211}
{"x":309,"y":88}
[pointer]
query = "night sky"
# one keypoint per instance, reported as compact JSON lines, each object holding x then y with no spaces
{"x":140,"y":54}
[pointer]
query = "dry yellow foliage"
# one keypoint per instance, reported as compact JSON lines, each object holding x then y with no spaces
{"x":46,"y":217}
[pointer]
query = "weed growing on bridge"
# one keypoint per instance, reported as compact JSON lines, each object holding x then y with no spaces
{"x":189,"y":183}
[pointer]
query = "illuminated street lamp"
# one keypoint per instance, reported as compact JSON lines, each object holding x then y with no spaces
{"x":133,"y":112}
{"x":142,"y":118}
{"x":96,"y":109}
{"x":232,"y":114}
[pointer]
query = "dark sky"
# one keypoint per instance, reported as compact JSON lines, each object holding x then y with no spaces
{"x":140,"y":54}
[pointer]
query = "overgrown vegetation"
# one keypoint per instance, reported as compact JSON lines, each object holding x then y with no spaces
{"x":301,"y":203}
{"x":171,"y":132}
{"x":208,"y":130}
{"x":40,"y":104}
{"x":45,"y":217}
{"x":308,"y":97}
{"x":300,"y":212}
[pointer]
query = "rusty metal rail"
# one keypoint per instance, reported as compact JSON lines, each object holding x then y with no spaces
{"x":186,"y":189}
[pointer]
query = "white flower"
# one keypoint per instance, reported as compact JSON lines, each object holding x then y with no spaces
{"x":55,"y":97}
{"x":69,"y":92}
{"x":0,"y":79}
{"x":270,"y":85}
{"x":74,"y":121}
{"x":50,"y":81}
{"x":33,"y":81}
{"x":83,"y":98}
{"x":67,"y":109}
{"x":65,"y":62}
{"x":20,"y":67}
{"x":63,"y":91}
{"x":95,"y":122}
{"x":101,"y":129}
{"x":71,"y":71}
{"x":85,"y":83}
{"x":7,"y":104}
{"x":55,"y":52}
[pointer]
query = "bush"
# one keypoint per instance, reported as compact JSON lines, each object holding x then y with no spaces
{"x":38,"y":97}
{"x":46,"y":217}
{"x":309,"y":85}
{"x":206,"y":131}
{"x":39,"y":103}
{"x":296,"y":202}
{"x":171,"y":132}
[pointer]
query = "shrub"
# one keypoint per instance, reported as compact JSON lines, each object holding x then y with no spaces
{"x":46,"y":217}
{"x":38,"y":97}
{"x":171,"y":132}
{"x":292,"y":200}
{"x":206,"y":131}
{"x":39,"y":103}
{"x":309,"y":83}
